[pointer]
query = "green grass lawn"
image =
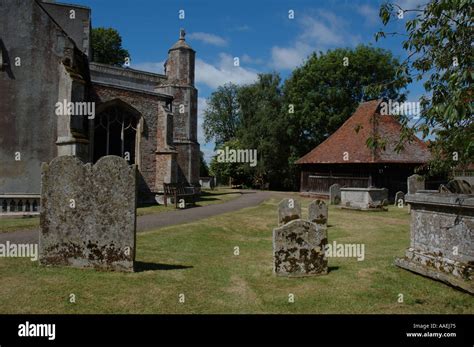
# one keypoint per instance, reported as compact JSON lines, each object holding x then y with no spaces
{"x":20,"y":223}
{"x":197,"y":260}
{"x":208,"y":197}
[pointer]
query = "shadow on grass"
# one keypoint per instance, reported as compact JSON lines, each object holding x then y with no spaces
{"x":141,"y":266}
{"x":333,"y":268}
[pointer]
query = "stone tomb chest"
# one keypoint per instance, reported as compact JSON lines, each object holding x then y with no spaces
{"x":363,"y":198}
{"x":441,"y":238}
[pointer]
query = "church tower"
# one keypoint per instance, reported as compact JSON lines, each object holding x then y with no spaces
{"x":179,"y":68}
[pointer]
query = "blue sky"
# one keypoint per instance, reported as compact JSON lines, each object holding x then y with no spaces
{"x":258,"y":32}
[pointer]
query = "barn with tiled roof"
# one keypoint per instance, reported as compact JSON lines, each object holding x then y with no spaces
{"x":345,"y":158}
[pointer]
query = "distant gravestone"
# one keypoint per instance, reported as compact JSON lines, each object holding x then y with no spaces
{"x":88,"y":215}
{"x":399,"y":198}
{"x":298,"y":249}
{"x":335,"y":194}
{"x":288,"y":210}
{"x":415,"y":183}
{"x":318,"y":212}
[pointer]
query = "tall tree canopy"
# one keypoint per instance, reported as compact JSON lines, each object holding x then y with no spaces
{"x":264,"y":128}
{"x":107,"y":47}
{"x":222,"y":115}
{"x":438,"y":40}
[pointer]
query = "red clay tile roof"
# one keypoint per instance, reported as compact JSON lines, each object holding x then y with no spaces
{"x":346,"y":139}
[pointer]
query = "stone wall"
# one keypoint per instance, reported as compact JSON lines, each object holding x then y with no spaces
{"x":88,"y":214}
{"x":78,"y":28}
{"x":28,"y":124}
{"x":156,"y":131}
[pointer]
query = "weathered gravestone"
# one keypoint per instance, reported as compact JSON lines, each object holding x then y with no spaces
{"x":288,"y":210}
{"x":415,"y":183}
{"x":399,"y":199}
{"x":318,"y":213}
{"x":299,"y":249}
{"x":335,"y":194}
{"x":88,"y":214}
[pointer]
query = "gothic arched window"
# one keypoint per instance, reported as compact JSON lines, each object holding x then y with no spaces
{"x":115,"y":131}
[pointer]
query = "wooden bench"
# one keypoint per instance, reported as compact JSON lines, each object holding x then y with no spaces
{"x":177,"y":191}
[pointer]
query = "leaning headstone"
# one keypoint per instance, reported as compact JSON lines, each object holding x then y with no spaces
{"x":335,"y":194}
{"x":298,"y":249}
{"x":399,"y":198}
{"x":88,"y":215}
{"x":288,"y":210}
{"x":415,"y":183}
{"x":318,"y":213}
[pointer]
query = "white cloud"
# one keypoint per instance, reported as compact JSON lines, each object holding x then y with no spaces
{"x":210,"y":39}
{"x":324,"y":31}
{"x":370,"y":14}
{"x":249,"y":60}
{"x":156,"y":67}
{"x":223,"y":72}
{"x":289,"y":57}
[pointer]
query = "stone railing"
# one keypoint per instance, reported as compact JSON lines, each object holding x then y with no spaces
{"x":19,"y":204}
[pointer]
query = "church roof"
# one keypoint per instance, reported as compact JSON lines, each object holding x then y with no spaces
{"x":351,"y":137}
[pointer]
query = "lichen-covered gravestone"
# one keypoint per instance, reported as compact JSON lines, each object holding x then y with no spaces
{"x":335,"y":194}
{"x":318,"y":213}
{"x":288,"y":210}
{"x":298,"y":249}
{"x":88,"y":214}
{"x":415,"y":183}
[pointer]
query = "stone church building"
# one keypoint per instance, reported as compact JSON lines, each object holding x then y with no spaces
{"x":45,"y":58}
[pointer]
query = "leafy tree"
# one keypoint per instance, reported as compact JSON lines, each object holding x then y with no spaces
{"x":439,"y":46}
{"x":227,"y":172}
{"x":222,"y":115}
{"x":320,"y":95}
{"x":203,"y":168}
{"x":264,"y":128}
{"x":107,"y":47}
